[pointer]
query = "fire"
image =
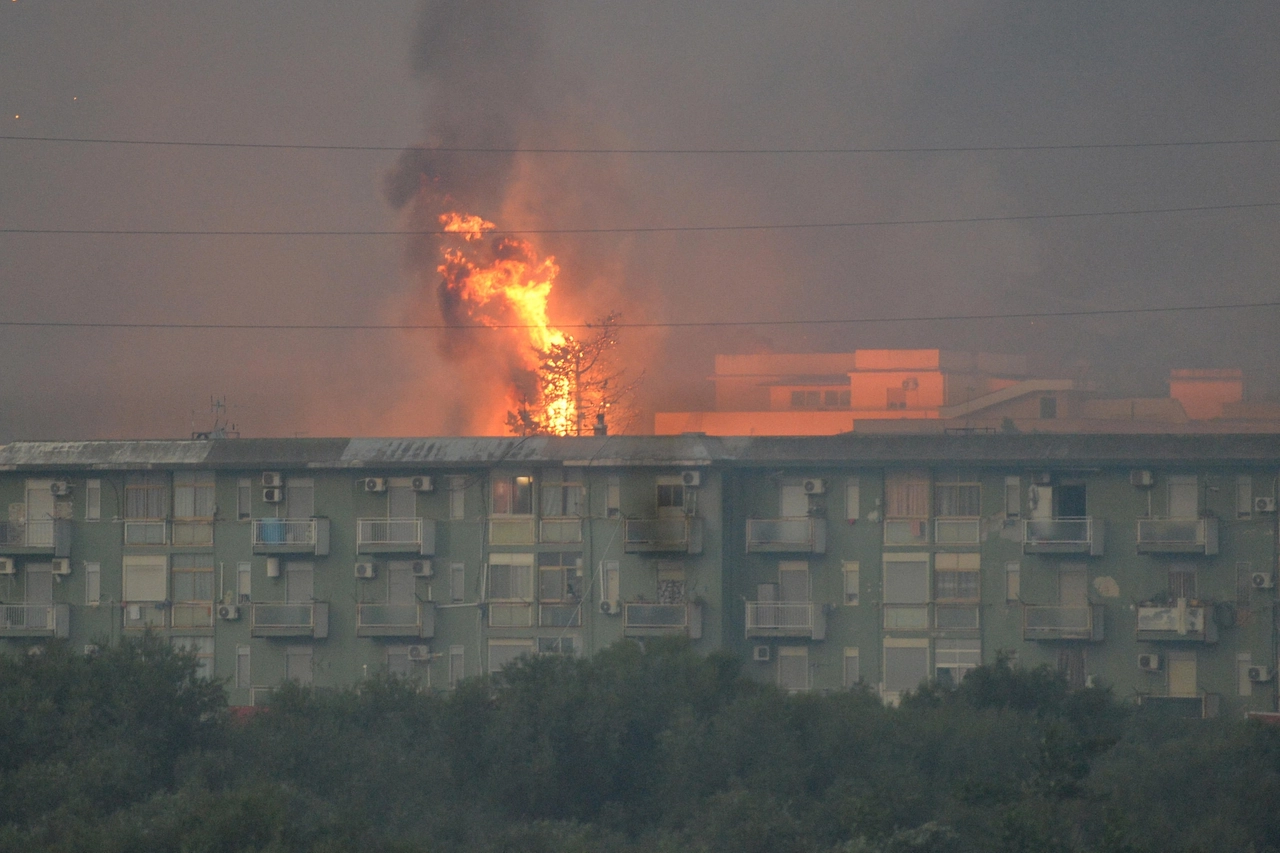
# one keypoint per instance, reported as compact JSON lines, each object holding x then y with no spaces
{"x":503,"y":282}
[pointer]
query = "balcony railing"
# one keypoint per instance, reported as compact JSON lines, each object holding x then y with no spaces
{"x":559,"y":615}
{"x":1178,"y":536}
{"x":682,"y":534}
{"x":146,"y":533}
{"x":45,"y":536}
{"x":1062,"y":536}
{"x":1053,"y":622}
{"x":512,"y":531}
{"x":786,"y":619}
{"x":560,"y":530}
{"x":193,"y":533}
{"x":791,"y":535}
{"x":396,"y":620}
{"x":303,"y":619}
{"x":291,"y":536}
{"x":957,"y":531}
{"x":159,"y":615}
{"x":395,"y":536}
{"x":1181,"y":622}
{"x":1202,"y":706}
{"x":34,"y":620}
{"x":510,"y":614}
{"x":906,"y":531}
{"x":646,"y":619}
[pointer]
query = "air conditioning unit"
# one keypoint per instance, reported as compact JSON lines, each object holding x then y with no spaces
{"x":1142,"y":479}
{"x":421,"y":568}
{"x":7,"y":566}
{"x":422,"y":484}
{"x":1149,"y":662}
{"x":420,"y":653}
{"x":228,"y":612}
{"x":60,"y":488}
{"x":62,"y":566}
{"x":1259,"y":673}
{"x":273,"y":496}
{"x":611,"y":608}
{"x":374,"y":484}
{"x":1262,"y":580}
{"x":814,"y":487}
{"x":1264,"y":504}
{"x":760,"y":654}
{"x":272,"y":480}
{"x":366,"y":571}
{"x":692,"y":479}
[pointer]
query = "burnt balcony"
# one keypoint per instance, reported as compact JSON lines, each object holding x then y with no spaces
{"x":1081,"y":535}
{"x":396,"y":536}
{"x":1054,"y":622}
{"x":291,"y":536}
{"x":648,"y":619}
{"x":47,"y":537}
{"x":417,"y":620}
{"x":1182,"y":622}
{"x":682,"y":534}
{"x":1178,"y":536}
{"x":290,"y":619}
{"x":161,"y":615}
{"x":803,"y":619}
{"x":787,"y":535}
{"x":35,"y":620}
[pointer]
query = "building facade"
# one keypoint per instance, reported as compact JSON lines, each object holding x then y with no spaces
{"x":1147,"y":563}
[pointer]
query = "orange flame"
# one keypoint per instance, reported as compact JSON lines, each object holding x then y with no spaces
{"x":506,"y":284}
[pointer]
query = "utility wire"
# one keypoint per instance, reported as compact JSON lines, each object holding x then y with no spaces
{"x":459,"y":149}
{"x":659,"y":229}
{"x":412,"y":327}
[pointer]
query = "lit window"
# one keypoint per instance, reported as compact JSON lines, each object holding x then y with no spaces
{"x":512,"y":495}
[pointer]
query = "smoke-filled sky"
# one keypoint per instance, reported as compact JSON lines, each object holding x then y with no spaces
{"x":943,"y":74}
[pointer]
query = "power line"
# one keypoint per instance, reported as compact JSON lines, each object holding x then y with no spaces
{"x":459,"y":149}
{"x":415,"y":327}
{"x":659,"y":229}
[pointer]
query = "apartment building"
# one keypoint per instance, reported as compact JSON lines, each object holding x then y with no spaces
{"x":1144,"y":562}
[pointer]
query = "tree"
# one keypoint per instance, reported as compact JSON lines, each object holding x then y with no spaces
{"x":579,"y":385}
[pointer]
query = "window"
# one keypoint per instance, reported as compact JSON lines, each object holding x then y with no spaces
{"x":793,"y":581}
{"x":558,"y":646}
{"x":243,"y":678}
{"x":510,"y":577}
{"x":671,"y":583}
{"x":1244,"y":583}
{"x":457,"y":498}
{"x":202,"y":648}
{"x":1012,"y":582}
{"x":559,"y":576}
{"x":457,"y":664}
{"x":457,"y":582}
{"x":1182,"y":582}
{"x":793,"y":668}
{"x":300,"y":497}
{"x":145,"y":577}
{"x":146,"y":495}
{"x":244,"y":498}
{"x":1244,"y":684}
{"x":895,"y":398}
{"x":192,"y":591}
{"x":906,"y":666}
{"x":802,"y":399}
{"x":1184,"y":496}
{"x":398,"y":663}
{"x":836,"y":399}
{"x":1181,"y":667}
{"x":609,"y":581}
{"x":1244,"y":496}
{"x":906,"y":592}
{"x":852,"y":500}
{"x":956,"y":577}
{"x":92,"y":500}
{"x":852,"y":670}
{"x":504,"y":652}
{"x":1012,"y":497}
{"x":92,"y":583}
{"x":852,"y":580}
{"x":957,"y":499}
{"x":512,"y":494}
{"x":670,"y":496}
{"x":298,"y":666}
{"x":560,"y":497}
{"x":953,"y":659}
{"x":613,"y":497}
{"x":1048,"y":408}
{"x":907,"y":494}
{"x":402,"y":585}
{"x":193,"y":494}
{"x":244,"y":575}
{"x":402,"y":500}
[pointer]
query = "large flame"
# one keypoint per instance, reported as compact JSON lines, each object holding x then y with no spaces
{"x":502,"y":282}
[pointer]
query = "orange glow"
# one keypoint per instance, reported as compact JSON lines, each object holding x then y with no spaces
{"x":504,"y":283}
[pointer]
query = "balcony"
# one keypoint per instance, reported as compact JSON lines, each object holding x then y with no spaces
{"x":1063,"y":536}
{"x":512,"y":531}
{"x":304,"y":619}
{"x":291,"y":536}
{"x":145,"y":533}
{"x":646,"y":619}
{"x":957,"y":531}
{"x":906,"y":531}
{"x":786,"y":619}
{"x":1178,"y":536}
{"x":49,"y":537}
{"x":554,"y":531}
{"x":1181,"y":622}
{"x":1051,"y":622}
{"x":396,"y":536}
{"x":559,"y":615}
{"x":160,"y":615}
{"x":35,"y":620}
{"x":1200,"y":707}
{"x":682,"y":534}
{"x":193,"y":534}
{"x":416,"y":620}
{"x":787,"y":535}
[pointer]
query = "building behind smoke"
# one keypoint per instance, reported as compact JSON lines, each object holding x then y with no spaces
{"x":933,"y":390}
{"x":1144,"y":562}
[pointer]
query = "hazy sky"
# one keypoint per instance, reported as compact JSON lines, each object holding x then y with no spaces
{"x":707,"y":75}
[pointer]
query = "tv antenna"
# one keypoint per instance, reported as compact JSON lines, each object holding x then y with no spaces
{"x":221,"y":427}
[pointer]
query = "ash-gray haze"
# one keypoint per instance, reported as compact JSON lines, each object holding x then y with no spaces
{"x":615,"y":75}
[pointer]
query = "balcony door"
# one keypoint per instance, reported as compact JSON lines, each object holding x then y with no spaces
{"x":299,"y":583}
{"x":40,"y":511}
{"x":794,"y":501}
{"x":1182,"y":674}
{"x":1069,"y":502}
{"x":1184,"y":497}
{"x":1073,"y":587}
{"x":40,"y":584}
{"x":793,"y":581}
{"x":401,"y":502}
{"x":300,"y":498}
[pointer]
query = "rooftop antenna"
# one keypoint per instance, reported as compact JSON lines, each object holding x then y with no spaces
{"x":221,"y":427}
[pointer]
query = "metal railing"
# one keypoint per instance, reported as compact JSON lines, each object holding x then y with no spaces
{"x":1180,"y":621}
{"x":377,"y":615}
{"x":28,"y":534}
{"x":191,"y":614}
{"x":140,"y":615}
{"x":284,"y":531}
{"x":27,"y":617}
{"x":389,"y":531}
{"x":786,"y":534}
{"x":1067,"y":534}
{"x":1054,"y":622}
{"x":301,"y":616}
{"x":781,"y":618}
{"x":559,"y":615}
{"x":646,"y":615}
{"x":658,"y":534}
